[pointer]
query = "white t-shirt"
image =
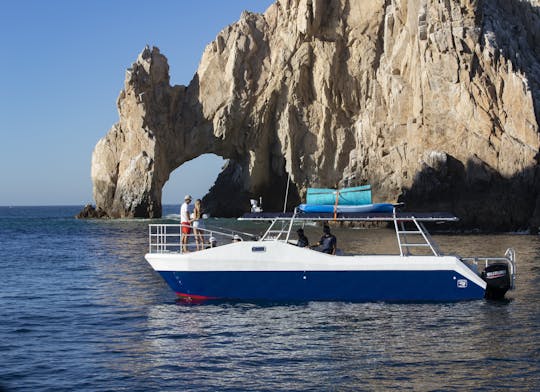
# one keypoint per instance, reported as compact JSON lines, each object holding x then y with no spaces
{"x":184,"y":212}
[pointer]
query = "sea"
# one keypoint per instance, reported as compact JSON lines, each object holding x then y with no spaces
{"x":81,"y":310}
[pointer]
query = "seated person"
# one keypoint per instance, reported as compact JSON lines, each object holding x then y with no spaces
{"x":328,"y":241}
{"x":302,"y":239}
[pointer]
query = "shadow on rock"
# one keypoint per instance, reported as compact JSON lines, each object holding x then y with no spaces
{"x":481,"y":197}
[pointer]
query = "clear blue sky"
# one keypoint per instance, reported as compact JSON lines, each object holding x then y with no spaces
{"x":62,"y":66}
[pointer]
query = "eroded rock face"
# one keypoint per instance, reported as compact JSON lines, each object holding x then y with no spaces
{"x":433,"y":103}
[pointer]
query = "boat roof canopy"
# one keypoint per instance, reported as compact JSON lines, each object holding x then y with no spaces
{"x":352,"y":216}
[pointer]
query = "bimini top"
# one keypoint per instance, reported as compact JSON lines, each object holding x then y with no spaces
{"x":352,"y":216}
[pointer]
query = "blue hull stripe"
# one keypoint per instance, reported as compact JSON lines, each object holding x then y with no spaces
{"x":326,"y":285}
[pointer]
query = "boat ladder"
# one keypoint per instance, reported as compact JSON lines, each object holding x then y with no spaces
{"x":278,"y":232}
{"x":415,"y":237}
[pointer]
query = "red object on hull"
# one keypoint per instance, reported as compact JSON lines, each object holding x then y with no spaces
{"x":194,"y":298}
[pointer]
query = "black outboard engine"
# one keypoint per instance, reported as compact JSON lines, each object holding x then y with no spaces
{"x":498,"y":279}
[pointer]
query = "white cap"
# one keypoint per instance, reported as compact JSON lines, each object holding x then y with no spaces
{"x":186,"y":197}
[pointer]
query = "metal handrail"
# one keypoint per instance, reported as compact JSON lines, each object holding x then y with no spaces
{"x":509,"y":258}
{"x":291,"y":225}
{"x":427,"y":238}
{"x":269,"y":230}
{"x":161,"y":239}
{"x":226,"y":230}
{"x":397,"y":231}
{"x":279,"y":232}
{"x":421,"y":230}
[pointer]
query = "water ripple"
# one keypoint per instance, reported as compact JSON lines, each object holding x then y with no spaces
{"x":81,"y":310}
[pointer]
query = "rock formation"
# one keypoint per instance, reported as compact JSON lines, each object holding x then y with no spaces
{"x":91,"y":212}
{"x":432,"y":102}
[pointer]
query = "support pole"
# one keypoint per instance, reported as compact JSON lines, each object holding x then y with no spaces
{"x":286,"y":193}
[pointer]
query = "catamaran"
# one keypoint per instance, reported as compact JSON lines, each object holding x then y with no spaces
{"x":270,"y":267}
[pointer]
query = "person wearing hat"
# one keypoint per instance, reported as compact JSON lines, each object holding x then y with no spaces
{"x":302,"y":239}
{"x":185,"y":221}
{"x":328,"y":242}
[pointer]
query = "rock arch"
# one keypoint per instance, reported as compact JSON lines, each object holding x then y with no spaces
{"x":160,"y":128}
{"x":326,"y":91}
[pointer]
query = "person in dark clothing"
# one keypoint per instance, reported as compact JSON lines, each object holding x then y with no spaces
{"x":328,"y":241}
{"x":302,"y":239}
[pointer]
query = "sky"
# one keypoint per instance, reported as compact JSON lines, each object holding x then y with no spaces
{"x":62,"y":67}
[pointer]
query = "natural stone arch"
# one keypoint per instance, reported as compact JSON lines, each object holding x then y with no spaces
{"x":160,"y":128}
{"x":330,"y":90}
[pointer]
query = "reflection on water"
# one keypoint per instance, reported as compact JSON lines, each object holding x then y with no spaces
{"x":366,"y":346}
{"x":82,"y":310}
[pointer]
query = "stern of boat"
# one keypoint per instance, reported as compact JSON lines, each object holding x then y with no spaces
{"x":499,"y":273}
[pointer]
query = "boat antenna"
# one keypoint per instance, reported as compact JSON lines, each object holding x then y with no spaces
{"x":287,"y":193}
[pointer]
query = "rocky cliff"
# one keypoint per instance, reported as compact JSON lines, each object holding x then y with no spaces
{"x":433,"y":102}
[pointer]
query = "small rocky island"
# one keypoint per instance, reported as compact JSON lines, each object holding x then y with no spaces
{"x":433,"y":103}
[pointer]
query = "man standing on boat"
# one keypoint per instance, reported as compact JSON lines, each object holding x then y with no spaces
{"x":328,"y":241}
{"x":185,"y":221}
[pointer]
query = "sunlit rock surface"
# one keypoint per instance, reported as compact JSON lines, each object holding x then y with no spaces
{"x":432,"y":102}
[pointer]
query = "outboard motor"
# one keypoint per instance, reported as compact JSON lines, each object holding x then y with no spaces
{"x":498,"y":279}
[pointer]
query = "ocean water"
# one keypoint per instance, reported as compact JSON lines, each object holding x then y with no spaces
{"x":81,"y":310}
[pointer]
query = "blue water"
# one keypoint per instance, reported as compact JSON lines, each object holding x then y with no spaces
{"x":81,"y":310}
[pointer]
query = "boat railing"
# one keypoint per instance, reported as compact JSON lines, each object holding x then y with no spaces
{"x":227,"y":231}
{"x":417,"y":237}
{"x":167,"y":238}
{"x":279,"y":229}
{"x":509,"y":258}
